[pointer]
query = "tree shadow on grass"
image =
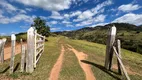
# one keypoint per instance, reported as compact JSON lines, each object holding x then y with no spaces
{"x":102,"y":68}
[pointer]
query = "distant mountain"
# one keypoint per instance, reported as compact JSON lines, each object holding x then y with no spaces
{"x":129,"y":34}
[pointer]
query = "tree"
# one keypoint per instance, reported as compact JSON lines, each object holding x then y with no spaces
{"x":41,"y":26}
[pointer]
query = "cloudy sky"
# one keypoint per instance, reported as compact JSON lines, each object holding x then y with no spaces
{"x":17,"y":15}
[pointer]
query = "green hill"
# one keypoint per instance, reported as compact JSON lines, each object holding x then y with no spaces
{"x":71,"y":69}
{"x":129,"y":34}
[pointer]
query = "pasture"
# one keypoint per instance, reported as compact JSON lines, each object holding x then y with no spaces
{"x":71,"y":68}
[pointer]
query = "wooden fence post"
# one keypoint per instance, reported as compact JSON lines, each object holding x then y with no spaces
{"x":109,"y":49}
{"x":43,"y":43}
{"x":21,"y":41}
{"x":30,"y":50}
{"x":2,"y":51}
{"x":13,"y":38}
{"x":0,"y":47}
{"x":35,"y":46}
{"x":118,"y":47}
{"x":122,"y":66}
{"x":27,"y":61}
{"x":22,"y":56}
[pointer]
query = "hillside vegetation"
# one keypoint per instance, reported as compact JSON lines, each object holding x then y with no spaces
{"x":130,"y":35}
{"x":71,"y":70}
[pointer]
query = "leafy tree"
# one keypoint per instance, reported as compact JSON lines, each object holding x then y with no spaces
{"x":41,"y":26}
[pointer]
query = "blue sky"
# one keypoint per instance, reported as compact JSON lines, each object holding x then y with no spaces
{"x":65,"y":15}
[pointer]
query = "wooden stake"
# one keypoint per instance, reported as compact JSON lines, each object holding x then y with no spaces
{"x":122,"y":66}
{"x":30,"y":50}
{"x":109,"y":50}
{"x":23,"y":51}
{"x":13,"y":38}
{"x":2,"y":51}
{"x":118,"y":47}
{"x":23,"y":58}
{"x":43,"y":43}
{"x":35,"y":46}
{"x":0,"y":48}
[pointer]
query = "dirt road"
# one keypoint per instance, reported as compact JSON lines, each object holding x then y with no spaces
{"x":86,"y":68}
{"x":80,"y":56}
{"x":57,"y":67}
{"x":7,"y":51}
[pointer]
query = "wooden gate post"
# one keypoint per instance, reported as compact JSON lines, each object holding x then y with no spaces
{"x":109,"y":49}
{"x":0,"y":47}
{"x":13,"y":38}
{"x":2,"y":51}
{"x":30,"y":50}
{"x":43,"y":43}
{"x":122,"y":66}
{"x":118,"y":48}
{"x":23,"y":50}
{"x":23,"y":58}
{"x":35,"y":46}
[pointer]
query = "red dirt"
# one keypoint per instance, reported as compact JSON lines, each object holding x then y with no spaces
{"x":86,"y":68}
{"x":7,"y":51}
{"x":57,"y":67}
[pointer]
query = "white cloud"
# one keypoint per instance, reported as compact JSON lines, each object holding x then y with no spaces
{"x":75,"y":13}
{"x":22,"y":17}
{"x":56,"y":15}
{"x":100,"y":6}
{"x":2,"y":34}
{"x":99,"y":18}
{"x":85,"y":1}
{"x":66,"y":15}
{"x":53,"y":22}
{"x":28,"y":9}
{"x":92,"y":12}
{"x":1,"y":15}
{"x":130,"y":18}
{"x":55,"y":29}
{"x":66,"y":22}
{"x":7,"y":6}
{"x":17,"y":18}
{"x":14,"y":32}
{"x":72,"y":14}
{"x":69,"y":25}
{"x":43,"y":17}
{"x":24,"y":27}
{"x":1,"y":12}
{"x":85,"y":23}
{"x":128,"y":7}
{"x":79,"y":2}
{"x":86,"y":14}
{"x":51,"y":5}
{"x":23,"y":11}
{"x":98,"y":24}
{"x":68,"y":30}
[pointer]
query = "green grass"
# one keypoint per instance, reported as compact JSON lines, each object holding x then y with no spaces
{"x":44,"y":66}
{"x":96,"y":53}
{"x":71,"y":69}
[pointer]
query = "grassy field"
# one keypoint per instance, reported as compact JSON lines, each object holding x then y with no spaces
{"x":96,"y":58}
{"x":71,"y":69}
{"x":46,"y":62}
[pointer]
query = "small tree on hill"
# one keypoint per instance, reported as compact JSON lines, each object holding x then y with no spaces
{"x":41,"y":26}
